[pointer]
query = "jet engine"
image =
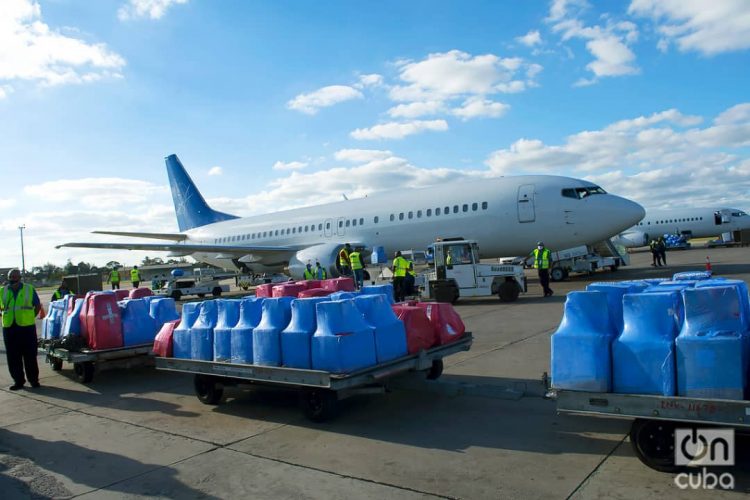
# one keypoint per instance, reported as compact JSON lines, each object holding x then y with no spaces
{"x":632,"y":239}
{"x":326,"y":254}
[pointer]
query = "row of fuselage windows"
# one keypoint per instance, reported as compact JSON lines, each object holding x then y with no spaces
{"x":672,"y":221}
{"x":418,"y":214}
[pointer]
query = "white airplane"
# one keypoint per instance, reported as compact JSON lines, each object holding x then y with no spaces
{"x":507,"y":215}
{"x":690,"y":222}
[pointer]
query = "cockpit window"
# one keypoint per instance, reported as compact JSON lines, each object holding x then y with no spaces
{"x":581,"y":192}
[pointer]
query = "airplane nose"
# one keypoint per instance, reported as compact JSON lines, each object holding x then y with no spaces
{"x":628,"y":213}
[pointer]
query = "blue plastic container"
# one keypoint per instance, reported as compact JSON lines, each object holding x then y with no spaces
{"x":643,"y":357}
{"x":228,"y":314}
{"x":343,"y":341}
{"x":390,"y":333}
{"x":614,"y":292}
{"x":138,"y":327}
{"x":53,"y":323}
{"x":712,"y":351}
{"x":202,"y":332}
{"x":342,"y":295}
{"x":386,"y":290}
{"x":277,"y":312}
{"x":162,"y":309}
{"x":692,"y":275}
{"x":297,"y":336}
{"x":72,"y":324}
{"x":181,"y":338}
{"x":251,"y":311}
{"x":741,"y":290}
{"x":581,"y":359}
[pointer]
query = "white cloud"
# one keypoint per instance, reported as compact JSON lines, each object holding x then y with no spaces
{"x":152,"y":9}
{"x":322,"y":98}
{"x":417,"y":109}
{"x":32,"y":51}
{"x":371,"y":80}
{"x":477,"y":107}
{"x":735,"y":114}
{"x":717,"y":27}
{"x":530,"y":39}
{"x":399,"y":130}
{"x":291,"y":165}
{"x":215,"y":171}
{"x":361,"y":155}
{"x":88,"y":192}
{"x":7,"y":202}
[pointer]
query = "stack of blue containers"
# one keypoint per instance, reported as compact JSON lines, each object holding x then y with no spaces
{"x":53,"y":323}
{"x":343,"y":342}
{"x":251,"y":310}
{"x":296,"y":338}
{"x":389,"y":331}
{"x":228,"y":314}
{"x":277,"y":313}
{"x":181,"y":338}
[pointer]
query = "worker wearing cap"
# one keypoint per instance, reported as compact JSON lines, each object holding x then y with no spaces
{"x":355,"y":259}
{"x":135,"y":276}
{"x":309,"y":273}
{"x":542,"y":260}
{"x":320,"y":272}
{"x":114,"y":278}
{"x":20,"y":305}
{"x":344,"y":262}
{"x":399,"y":267}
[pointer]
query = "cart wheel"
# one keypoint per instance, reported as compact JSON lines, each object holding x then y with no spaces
{"x":557,"y":274}
{"x":216,"y":292}
{"x":176,"y":295}
{"x":84,"y":371}
{"x":435,"y":370}
{"x":56,"y":364}
{"x":653,"y":443}
{"x":319,"y":405}
{"x":209,"y":391}
{"x":508,"y":291}
{"x":201,"y":295}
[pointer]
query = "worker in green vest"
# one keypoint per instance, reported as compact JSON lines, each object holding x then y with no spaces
{"x":309,"y":273}
{"x":355,"y":259}
{"x":409,"y":278}
{"x":61,"y":292}
{"x":345,"y":265}
{"x":320,"y":272}
{"x":542,"y":261}
{"x":135,"y":276}
{"x":399,"y":268}
{"x":114,"y":278}
{"x":20,"y":305}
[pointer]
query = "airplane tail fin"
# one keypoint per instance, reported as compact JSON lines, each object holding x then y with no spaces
{"x":189,"y":205}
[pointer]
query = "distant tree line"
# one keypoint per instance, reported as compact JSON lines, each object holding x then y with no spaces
{"x":51,"y":272}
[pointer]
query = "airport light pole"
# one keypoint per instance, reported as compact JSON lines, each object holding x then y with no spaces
{"x":23,"y":259}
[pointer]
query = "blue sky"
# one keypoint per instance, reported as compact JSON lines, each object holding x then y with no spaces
{"x":277,"y":104}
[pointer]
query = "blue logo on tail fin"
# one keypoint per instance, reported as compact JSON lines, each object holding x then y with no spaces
{"x":189,"y":205}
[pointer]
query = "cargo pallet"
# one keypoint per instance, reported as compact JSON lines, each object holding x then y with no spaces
{"x":656,"y":418}
{"x":87,"y":362}
{"x":319,"y":391}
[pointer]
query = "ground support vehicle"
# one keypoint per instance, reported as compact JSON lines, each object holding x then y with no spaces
{"x":179,"y":288}
{"x":319,"y":391}
{"x":456,"y":272}
{"x":581,"y":259}
{"x":655,"y":418}
{"x":87,"y":362}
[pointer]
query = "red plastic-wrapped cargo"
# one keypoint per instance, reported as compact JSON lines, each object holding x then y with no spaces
{"x":122,"y":294}
{"x":310,"y":284}
{"x":83,"y":315}
{"x":448,"y":325}
{"x":343,"y":284}
{"x":264,"y":290}
{"x":140,"y":292}
{"x":287,"y":290}
{"x":163,"y":340}
{"x":314,"y":292}
{"x":420,"y":333}
{"x":104,"y":324}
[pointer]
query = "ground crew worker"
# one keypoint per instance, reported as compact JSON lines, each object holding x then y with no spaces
{"x":20,"y":304}
{"x":409,"y":279}
{"x":320,"y":272}
{"x":542,"y":258}
{"x":135,"y":276}
{"x":344,"y":263}
{"x":449,"y":258}
{"x":309,"y":273}
{"x":655,"y":254}
{"x":662,"y":248}
{"x":355,"y":259}
{"x":61,"y":292}
{"x":399,"y":268}
{"x":114,"y":278}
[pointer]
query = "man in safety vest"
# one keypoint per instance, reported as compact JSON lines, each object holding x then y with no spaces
{"x":61,"y":292}
{"x":542,"y":261}
{"x":20,"y":305}
{"x":114,"y":278}
{"x":135,"y":276}
{"x":355,"y":259}
{"x":400,"y":267}
{"x":320,"y":272}
{"x":344,"y":263}
{"x":309,"y":273}
{"x":410,"y":278}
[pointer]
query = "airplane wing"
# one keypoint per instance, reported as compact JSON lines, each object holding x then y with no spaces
{"x":183,"y":247}
{"x":156,"y":236}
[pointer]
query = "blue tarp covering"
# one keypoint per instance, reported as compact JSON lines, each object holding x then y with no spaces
{"x":181,"y":339}
{"x":228,"y":314}
{"x":390,"y":333}
{"x":343,"y":341}
{"x":297,"y":336}
{"x":277,"y":313}
{"x":386,"y":290}
{"x":72,"y":324}
{"x":251,"y":310}
{"x":138,"y":327}
{"x":202,"y":332}
{"x":614,"y":292}
{"x":162,"y":309}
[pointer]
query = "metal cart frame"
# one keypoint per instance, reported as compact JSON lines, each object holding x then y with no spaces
{"x":87,"y":362}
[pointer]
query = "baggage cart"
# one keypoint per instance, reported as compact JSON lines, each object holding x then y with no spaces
{"x":87,"y":362}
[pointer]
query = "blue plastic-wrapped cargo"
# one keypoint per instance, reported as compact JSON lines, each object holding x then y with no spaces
{"x":390,"y":333}
{"x":138,"y":327}
{"x":741,"y":290}
{"x":581,"y":358}
{"x":614,"y":291}
{"x":182,"y":342}
{"x":711,"y":349}
{"x":343,"y":342}
{"x":72,"y":324}
{"x":277,"y":312}
{"x":692,"y":275}
{"x":342,"y":295}
{"x":53,"y":322}
{"x":386,"y":290}
{"x":643,"y":358}
{"x":202,"y":332}
{"x":162,"y":309}
{"x":296,"y":338}
{"x":228,"y":314}
{"x":251,"y":311}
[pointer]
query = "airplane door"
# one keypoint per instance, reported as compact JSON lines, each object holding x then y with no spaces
{"x":340,"y":230}
{"x":526,"y":211}
{"x":328,"y":231}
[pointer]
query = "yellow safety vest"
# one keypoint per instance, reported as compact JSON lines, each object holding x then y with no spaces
{"x":541,"y":262}
{"x":410,"y":269}
{"x":400,"y":266}
{"x":114,"y":276}
{"x":320,"y":273}
{"x":135,"y":275}
{"x":309,"y":275}
{"x":343,"y":258}
{"x":355,"y":260}
{"x":19,"y":308}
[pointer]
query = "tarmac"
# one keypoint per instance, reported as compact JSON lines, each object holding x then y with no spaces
{"x":143,"y":433}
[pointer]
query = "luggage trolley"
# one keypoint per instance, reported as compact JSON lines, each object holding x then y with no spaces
{"x":319,"y":391}
{"x":87,"y":362}
{"x":656,"y":418}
